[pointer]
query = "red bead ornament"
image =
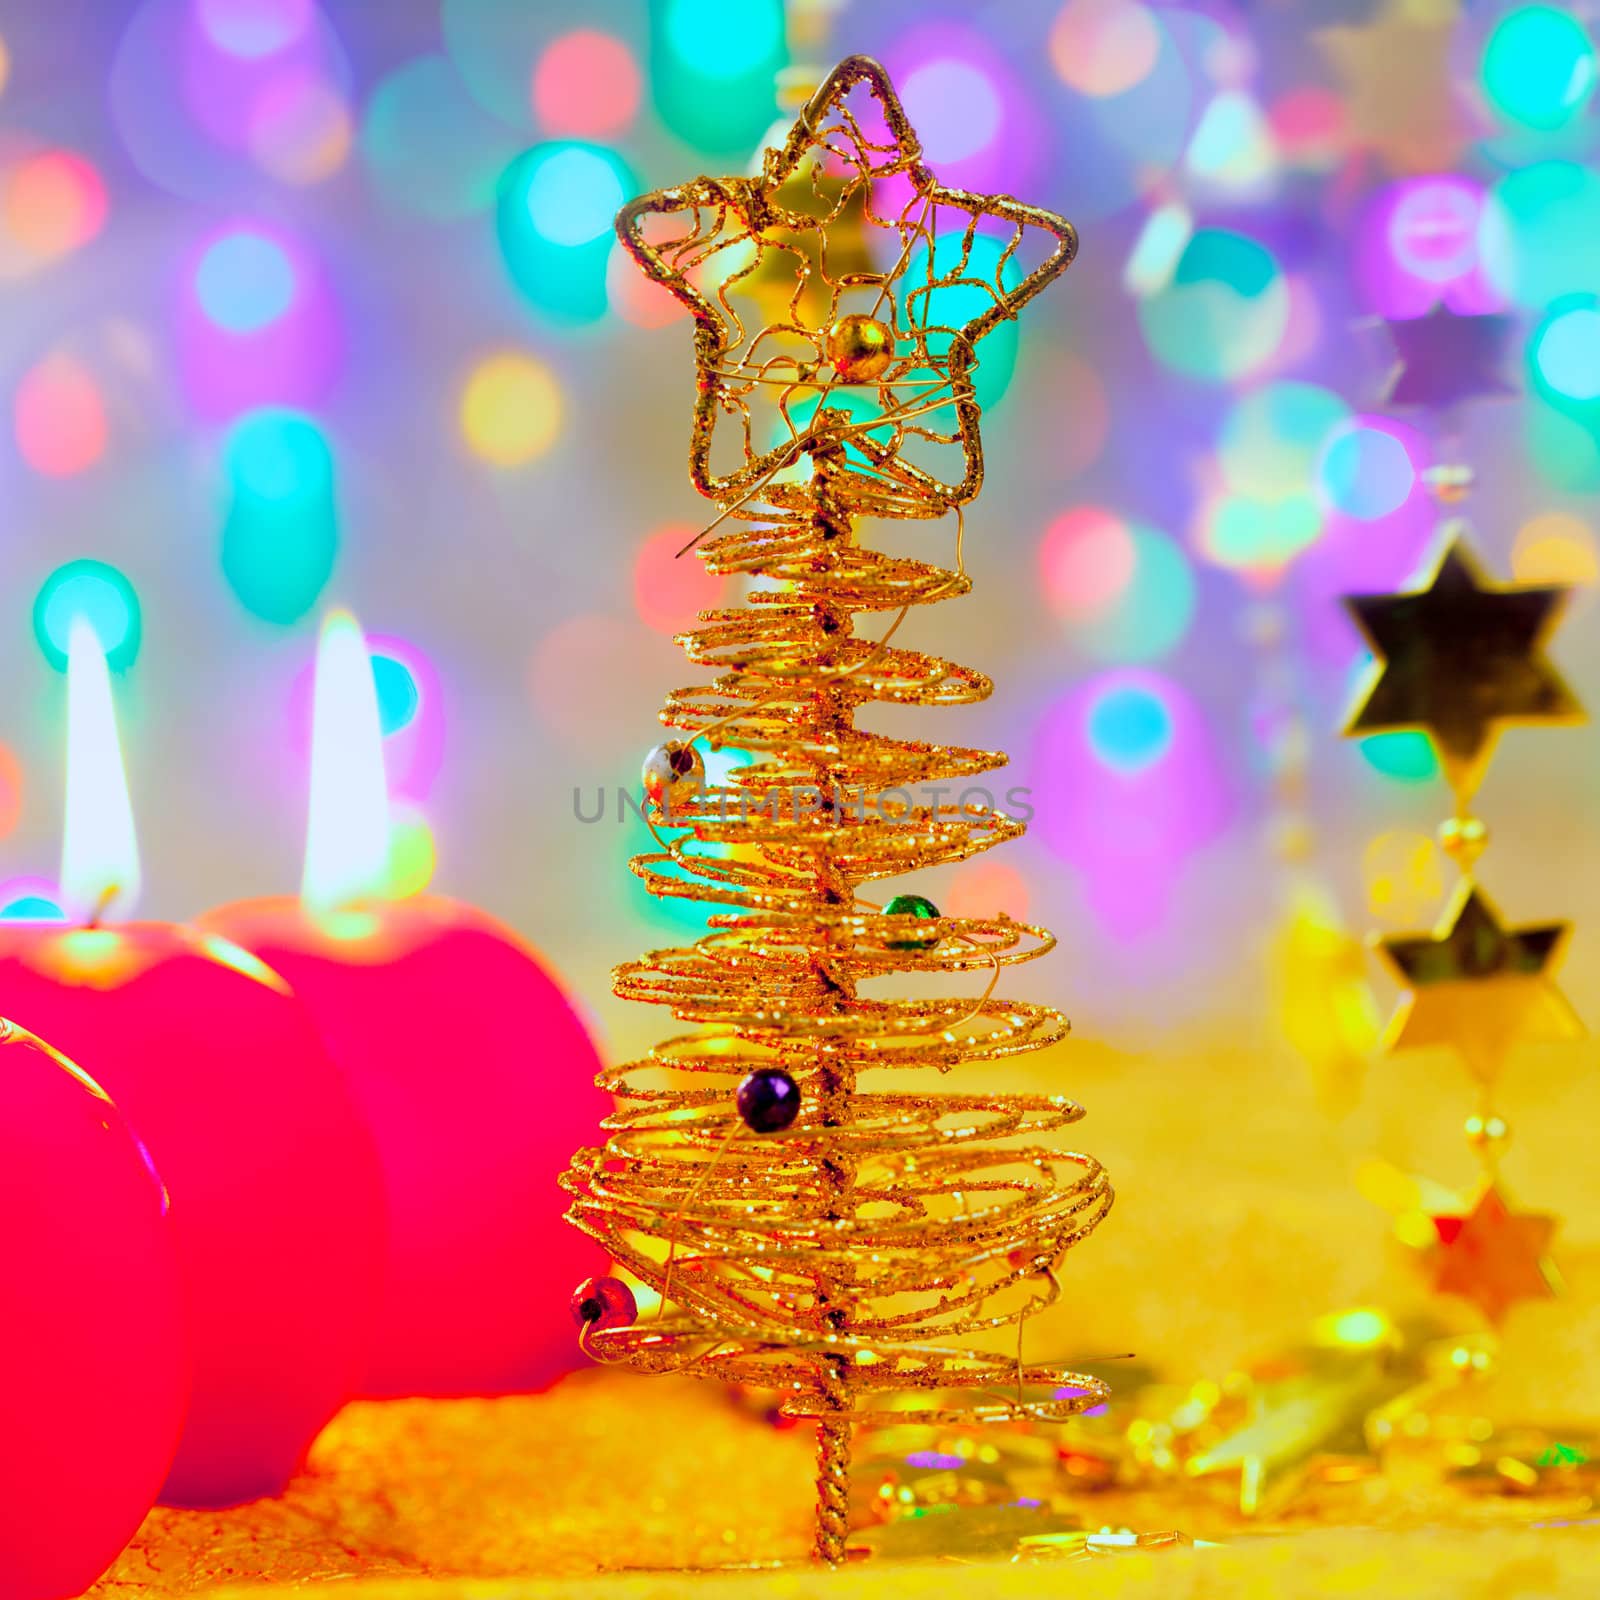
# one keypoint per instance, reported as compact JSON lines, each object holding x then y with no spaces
{"x":93,"y":1368}
{"x":476,"y":1077}
{"x":600,"y":1303}
{"x":277,"y":1204}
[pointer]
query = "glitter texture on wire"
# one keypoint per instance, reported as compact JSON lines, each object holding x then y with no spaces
{"x":836,"y":1261}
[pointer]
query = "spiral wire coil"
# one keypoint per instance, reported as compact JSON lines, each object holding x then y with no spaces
{"x":842,"y":1261}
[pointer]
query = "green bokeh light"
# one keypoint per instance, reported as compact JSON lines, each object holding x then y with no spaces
{"x":1406,"y":756}
{"x":281,"y":535}
{"x":953,"y":305}
{"x":1564,"y":447}
{"x":94,"y":590}
{"x":429,"y":148}
{"x":1225,"y":312}
{"x":723,"y":38}
{"x":1249,"y":534}
{"x":554,"y":238}
{"x":712,"y":70}
{"x":1273,"y":437}
{"x":1538,"y":67}
{"x":1539,"y":235}
{"x":1152,"y":614}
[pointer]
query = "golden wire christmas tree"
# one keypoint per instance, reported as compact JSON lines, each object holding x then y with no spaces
{"x":809,"y":1225}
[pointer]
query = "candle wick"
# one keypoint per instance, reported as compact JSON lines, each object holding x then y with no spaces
{"x":107,"y":895}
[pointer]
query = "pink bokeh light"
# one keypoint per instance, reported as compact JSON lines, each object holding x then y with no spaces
{"x":1416,"y":244}
{"x":1127,"y":830}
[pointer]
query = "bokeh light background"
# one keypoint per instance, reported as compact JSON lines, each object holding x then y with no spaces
{"x":319,"y":303}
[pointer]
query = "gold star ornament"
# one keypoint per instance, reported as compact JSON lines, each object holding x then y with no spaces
{"x":1459,"y":659}
{"x":893,"y":281}
{"x":1494,"y":1256}
{"x":1477,"y":986}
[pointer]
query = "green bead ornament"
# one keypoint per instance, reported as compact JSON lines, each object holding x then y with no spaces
{"x":912,"y":905}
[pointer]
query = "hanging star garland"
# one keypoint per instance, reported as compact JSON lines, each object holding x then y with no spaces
{"x":1460,"y":658}
{"x":1494,"y":1256}
{"x":1445,"y":359}
{"x":1477,"y":986}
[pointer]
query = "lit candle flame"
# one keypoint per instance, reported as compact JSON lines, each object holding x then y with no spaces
{"x":99,"y":847}
{"x":347,"y":833}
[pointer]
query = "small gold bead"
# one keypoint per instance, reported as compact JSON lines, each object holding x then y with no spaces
{"x":1463,"y":839}
{"x":1449,"y":485}
{"x":1265,"y":624}
{"x":1484,"y":1133}
{"x":860,"y":347}
{"x":1292,"y":837}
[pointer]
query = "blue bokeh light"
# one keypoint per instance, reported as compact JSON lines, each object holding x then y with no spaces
{"x":102,"y":595}
{"x":554,"y":222}
{"x":573,"y":193}
{"x":398,"y":695}
{"x":245,"y":281}
{"x":1130,"y":728}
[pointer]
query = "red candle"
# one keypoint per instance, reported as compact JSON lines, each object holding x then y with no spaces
{"x":467,"y":1061}
{"x":473,"y":1075}
{"x":277,"y":1205}
{"x":93,"y":1367}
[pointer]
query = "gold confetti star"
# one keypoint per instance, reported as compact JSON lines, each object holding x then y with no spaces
{"x":1460,"y":658}
{"x":1309,"y":1410}
{"x":1477,"y":986}
{"x":1493,"y":1256}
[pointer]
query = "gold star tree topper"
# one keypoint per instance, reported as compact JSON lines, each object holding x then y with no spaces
{"x":878,"y":359}
{"x":1459,"y":659}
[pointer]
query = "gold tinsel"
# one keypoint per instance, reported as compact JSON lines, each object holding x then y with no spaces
{"x":838,"y":1260}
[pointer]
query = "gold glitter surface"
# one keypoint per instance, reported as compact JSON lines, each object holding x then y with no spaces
{"x":601,"y":1471}
{"x":1429,"y":1565}
{"x":605,"y":1472}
